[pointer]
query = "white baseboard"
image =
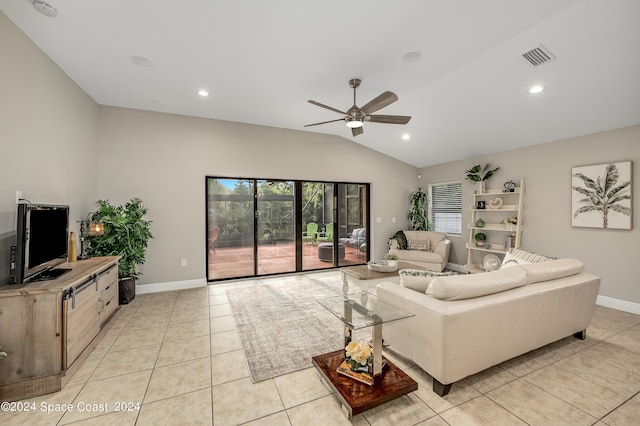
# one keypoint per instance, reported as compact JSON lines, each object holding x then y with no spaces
{"x":621,"y":305}
{"x":607,"y":302}
{"x":170,"y":286}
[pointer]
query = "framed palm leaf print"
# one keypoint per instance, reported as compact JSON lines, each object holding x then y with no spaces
{"x":601,"y":196}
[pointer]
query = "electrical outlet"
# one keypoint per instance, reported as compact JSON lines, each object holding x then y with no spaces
{"x":183,"y":262}
{"x":18,"y":196}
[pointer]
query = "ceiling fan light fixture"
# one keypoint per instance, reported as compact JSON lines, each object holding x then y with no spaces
{"x":355,"y":117}
{"x":353,"y":122}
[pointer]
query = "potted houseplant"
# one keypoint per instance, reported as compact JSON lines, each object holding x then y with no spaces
{"x":480,"y":239}
{"x":392,"y":259}
{"x":126,"y":234}
{"x":418,"y":214}
{"x":479,"y":175}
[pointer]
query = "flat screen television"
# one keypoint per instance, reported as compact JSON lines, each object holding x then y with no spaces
{"x":42,"y":237}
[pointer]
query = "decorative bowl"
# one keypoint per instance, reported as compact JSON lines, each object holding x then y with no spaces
{"x":382,"y":266}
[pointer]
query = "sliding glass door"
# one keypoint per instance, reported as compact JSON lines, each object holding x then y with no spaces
{"x":276,"y":227}
{"x":264,"y":226}
{"x":230,"y":228}
{"x":353,"y":219}
{"x":318,"y":220}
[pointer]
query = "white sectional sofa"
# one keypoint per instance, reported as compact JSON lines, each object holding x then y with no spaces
{"x":464,"y":324}
{"x":428,"y":249}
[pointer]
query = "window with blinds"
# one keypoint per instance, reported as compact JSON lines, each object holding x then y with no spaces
{"x":446,"y":207}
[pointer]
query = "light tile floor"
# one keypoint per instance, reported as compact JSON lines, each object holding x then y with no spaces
{"x":176,"y":358}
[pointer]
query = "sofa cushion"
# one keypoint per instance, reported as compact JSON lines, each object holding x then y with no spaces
{"x":419,"y":256}
{"x":458,"y":287}
{"x":552,"y":270}
{"x":418,"y":279}
{"x":359,"y":232}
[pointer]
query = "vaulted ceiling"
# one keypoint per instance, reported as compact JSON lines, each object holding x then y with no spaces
{"x":457,"y":66}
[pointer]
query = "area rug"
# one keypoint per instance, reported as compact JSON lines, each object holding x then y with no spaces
{"x":281,"y":325}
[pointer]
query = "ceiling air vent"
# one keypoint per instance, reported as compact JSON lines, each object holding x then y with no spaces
{"x":538,"y":56}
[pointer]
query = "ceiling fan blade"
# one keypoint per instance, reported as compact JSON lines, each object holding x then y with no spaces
{"x":326,"y":106}
{"x":324,"y":122}
{"x":390,"y":119}
{"x":355,"y":131}
{"x":380,"y":102}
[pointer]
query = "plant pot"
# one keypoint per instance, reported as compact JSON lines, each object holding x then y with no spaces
{"x":480,"y":187}
{"x":127,"y":288}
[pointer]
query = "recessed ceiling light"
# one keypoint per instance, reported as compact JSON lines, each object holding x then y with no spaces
{"x":143,"y":61}
{"x":45,"y":8}
{"x":534,"y":90}
{"x":203,"y":93}
{"x":406,"y":137}
{"x":412,"y":56}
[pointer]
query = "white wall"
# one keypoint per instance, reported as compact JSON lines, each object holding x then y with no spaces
{"x":55,"y":138}
{"x":48,"y":129}
{"x":611,"y":254}
{"x":52,"y":134}
{"x":164,"y":158}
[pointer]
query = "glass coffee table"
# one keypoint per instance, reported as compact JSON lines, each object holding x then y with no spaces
{"x":356,"y":311}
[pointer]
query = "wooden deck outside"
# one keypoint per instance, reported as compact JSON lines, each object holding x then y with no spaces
{"x":233,"y":262}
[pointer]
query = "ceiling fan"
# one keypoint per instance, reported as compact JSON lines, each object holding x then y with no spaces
{"x":355,"y":117}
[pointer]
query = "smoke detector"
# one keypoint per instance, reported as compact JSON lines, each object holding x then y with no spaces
{"x":45,"y":8}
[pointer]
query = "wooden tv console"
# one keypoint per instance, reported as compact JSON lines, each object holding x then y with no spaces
{"x":48,"y":328}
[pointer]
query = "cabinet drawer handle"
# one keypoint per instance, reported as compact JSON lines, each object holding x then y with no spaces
{"x":108,"y":287}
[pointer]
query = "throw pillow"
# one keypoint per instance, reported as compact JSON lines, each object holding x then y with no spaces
{"x":462,"y":287}
{"x":552,"y":270}
{"x":401,"y":239}
{"x":420,"y":245}
{"x":511,"y":260}
{"x":522,"y":257}
{"x":418,"y":279}
{"x":530,"y":256}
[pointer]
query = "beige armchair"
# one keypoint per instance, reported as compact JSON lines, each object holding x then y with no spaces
{"x":428,"y":249}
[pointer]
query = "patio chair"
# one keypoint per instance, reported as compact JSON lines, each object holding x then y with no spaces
{"x":327,"y":235}
{"x":357,"y":240}
{"x":309,"y":236}
{"x":213,"y":237}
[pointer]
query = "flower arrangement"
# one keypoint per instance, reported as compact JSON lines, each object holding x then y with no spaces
{"x":359,"y":356}
{"x":391,"y":256}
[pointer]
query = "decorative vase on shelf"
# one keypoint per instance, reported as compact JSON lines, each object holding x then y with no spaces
{"x":479,"y":223}
{"x":480,"y":187}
